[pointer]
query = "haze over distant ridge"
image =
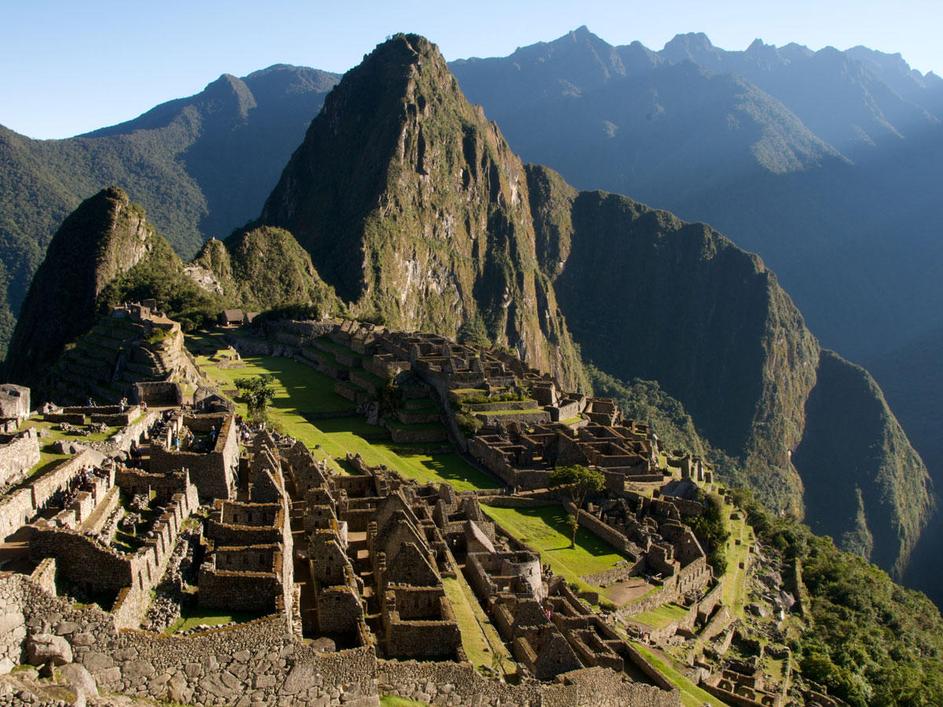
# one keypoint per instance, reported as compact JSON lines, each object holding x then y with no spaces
{"x":54,"y":53}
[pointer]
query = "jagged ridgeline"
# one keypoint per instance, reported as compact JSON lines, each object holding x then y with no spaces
{"x":413,"y":207}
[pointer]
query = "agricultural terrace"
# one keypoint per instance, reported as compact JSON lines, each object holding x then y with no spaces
{"x":307,"y":408}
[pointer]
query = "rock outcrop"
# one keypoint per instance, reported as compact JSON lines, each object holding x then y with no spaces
{"x":259,"y":269}
{"x":102,"y":239}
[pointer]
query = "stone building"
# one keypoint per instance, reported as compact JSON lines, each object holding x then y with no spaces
{"x":206,"y":445}
{"x":249,"y":562}
{"x":14,"y":405}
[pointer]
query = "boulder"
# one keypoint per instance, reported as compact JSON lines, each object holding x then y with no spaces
{"x":79,"y":680}
{"x":43,"y":648}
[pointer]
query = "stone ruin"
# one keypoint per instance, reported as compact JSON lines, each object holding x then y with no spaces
{"x":352,"y":564}
{"x":347,"y":575}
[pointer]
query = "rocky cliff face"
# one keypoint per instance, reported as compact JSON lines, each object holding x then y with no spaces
{"x":649,"y":296}
{"x":102,"y":239}
{"x":862,"y":484}
{"x":413,"y":208}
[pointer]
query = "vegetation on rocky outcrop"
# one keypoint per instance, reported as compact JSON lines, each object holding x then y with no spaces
{"x":859,"y":468}
{"x":648,"y":296}
{"x":161,"y":276}
{"x":646,"y":401}
{"x":868,"y":640}
{"x":262,"y":269}
{"x":103,"y":239}
{"x":107,"y":253}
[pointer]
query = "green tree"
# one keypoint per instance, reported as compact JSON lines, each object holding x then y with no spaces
{"x":711,"y":531}
{"x":578,"y":481}
{"x":257,"y":393}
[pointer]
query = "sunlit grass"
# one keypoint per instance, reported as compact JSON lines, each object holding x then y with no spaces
{"x":545,"y":529}
{"x":307,"y":408}
{"x":480,"y":639}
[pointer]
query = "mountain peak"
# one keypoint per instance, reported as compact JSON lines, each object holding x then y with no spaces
{"x":413,"y":207}
{"x":104,"y":237}
{"x":403,"y":45}
{"x":230,"y":92}
{"x":693,"y":46}
{"x":757,"y":45}
{"x":690,"y":41}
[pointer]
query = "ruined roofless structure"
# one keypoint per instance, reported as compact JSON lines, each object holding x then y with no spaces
{"x":349,"y":580}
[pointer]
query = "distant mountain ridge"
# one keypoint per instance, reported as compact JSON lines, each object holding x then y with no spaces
{"x":810,"y":158}
{"x":201,"y":166}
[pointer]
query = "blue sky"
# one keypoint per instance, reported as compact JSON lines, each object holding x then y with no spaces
{"x":69,"y":66}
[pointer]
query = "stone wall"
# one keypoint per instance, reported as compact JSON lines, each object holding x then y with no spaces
{"x":258,"y":662}
{"x":602,"y":530}
{"x":18,"y":454}
{"x":85,"y":561}
{"x":135,"y":481}
{"x":212,"y":472}
{"x":229,"y":534}
{"x":45,"y":486}
{"x":135,"y":432}
{"x":416,"y":435}
{"x":14,"y":401}
{"x":157,"y":393}
{"x":239,"y":591}
{"x":460,"y":684}
{"x":16,"y":509}
{"x":21,"y":506}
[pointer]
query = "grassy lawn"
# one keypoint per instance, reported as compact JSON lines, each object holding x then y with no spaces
{"x":302,"y":394}
{"x":661,"y":616}
{"x":193,"y":616}
{"x":691,"y":694}
{"x":545,"y":530}
{"x":480,"y":639}
{"x":394,"y":701}
{"x":735,"y":591}
{"x":507,"y":413}
{"x":49,"y":458}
